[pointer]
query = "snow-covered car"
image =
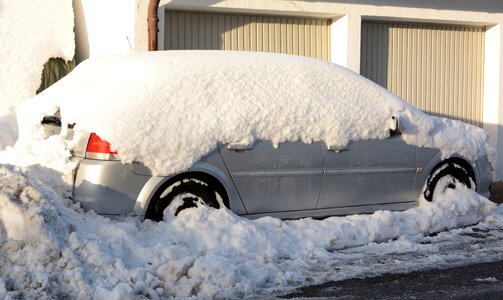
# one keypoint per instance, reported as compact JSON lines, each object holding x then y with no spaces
{"x":260,"y":134}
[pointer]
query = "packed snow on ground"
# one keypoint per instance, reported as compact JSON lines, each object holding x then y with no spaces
{"x":31,"y":32}
{"x":195,"y":99}
{"x":51,"y":248}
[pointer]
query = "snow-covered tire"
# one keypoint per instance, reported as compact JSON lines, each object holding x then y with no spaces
{"x":182,"y":195}
{"x":449,"y":175}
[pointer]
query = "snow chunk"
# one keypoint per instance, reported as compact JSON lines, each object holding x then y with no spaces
{"x":167,"y":109}
{"x":488,"y":279}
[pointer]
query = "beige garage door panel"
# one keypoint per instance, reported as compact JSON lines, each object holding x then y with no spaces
{"x":291,"y":35}
{"x":438,"y":68}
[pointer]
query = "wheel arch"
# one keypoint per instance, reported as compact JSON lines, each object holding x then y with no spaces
{"x":202,"y":171}
{"x":436,"y":162}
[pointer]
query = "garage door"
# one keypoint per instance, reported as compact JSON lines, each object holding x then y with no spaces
{"x":291,"y":35}
{"x":438,"y":68}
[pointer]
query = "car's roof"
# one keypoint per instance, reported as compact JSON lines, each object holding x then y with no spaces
{"x":169,"y":108}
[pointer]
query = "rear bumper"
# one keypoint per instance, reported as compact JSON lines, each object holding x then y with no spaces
{"x":107,"y":187}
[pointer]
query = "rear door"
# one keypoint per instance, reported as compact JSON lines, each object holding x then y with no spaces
{"x":369,"y":173}
{"x":269,"y":179}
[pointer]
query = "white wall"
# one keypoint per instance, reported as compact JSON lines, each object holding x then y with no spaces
{"x":493,"y":106}
{"x":340,"y":31}
{"x":104,"y":27}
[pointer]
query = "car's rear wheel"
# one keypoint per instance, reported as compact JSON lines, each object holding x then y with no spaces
{"x":447,"y":176}
{"x":183,"y":194}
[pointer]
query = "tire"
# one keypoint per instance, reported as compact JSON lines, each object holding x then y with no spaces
{"x":449,"y":175}
{"x":181,"y":195}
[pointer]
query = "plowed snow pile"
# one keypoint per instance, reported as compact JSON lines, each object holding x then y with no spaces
{"x":49,"y":248}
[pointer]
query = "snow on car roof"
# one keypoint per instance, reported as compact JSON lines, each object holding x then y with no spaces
{"x":169,"y":108}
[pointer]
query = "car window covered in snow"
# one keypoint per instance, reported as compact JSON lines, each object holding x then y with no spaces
{"x":167,"y":109}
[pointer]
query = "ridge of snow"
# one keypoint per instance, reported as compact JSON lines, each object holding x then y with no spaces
{"x":168,"y":109}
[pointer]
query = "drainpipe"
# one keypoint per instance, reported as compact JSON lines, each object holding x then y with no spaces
{"x":153,"y":22}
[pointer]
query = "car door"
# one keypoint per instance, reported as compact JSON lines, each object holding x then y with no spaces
{"x":368,"y":173}
{"x":269,"y":179}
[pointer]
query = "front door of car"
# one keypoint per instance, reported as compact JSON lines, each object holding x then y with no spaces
{"x":368,"y":173}
{"x":269,"y":179}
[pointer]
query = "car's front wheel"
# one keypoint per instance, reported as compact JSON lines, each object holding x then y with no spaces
{"x":447,"y":176}
{"x":184,"y":194}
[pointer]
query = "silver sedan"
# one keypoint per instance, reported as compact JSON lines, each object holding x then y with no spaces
{"x":293,"y":180}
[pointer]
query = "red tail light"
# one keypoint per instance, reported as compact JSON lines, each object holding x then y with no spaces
{"x":99,"y":149}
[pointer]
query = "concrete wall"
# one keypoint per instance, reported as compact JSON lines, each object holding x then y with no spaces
{"x":129,"y":20}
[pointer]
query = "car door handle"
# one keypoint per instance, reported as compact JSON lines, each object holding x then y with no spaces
{"x":337,"y":149}
{"x":239,"y":146}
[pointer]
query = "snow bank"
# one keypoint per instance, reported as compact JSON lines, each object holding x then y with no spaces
{"x":50,"y":248}
{"x":31,"y":32}
{"x":45,"y":160}
{"x":167,"y":109}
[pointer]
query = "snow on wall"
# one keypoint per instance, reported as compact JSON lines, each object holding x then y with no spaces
{"x":31,"y":32}
{"x":167,"y":109}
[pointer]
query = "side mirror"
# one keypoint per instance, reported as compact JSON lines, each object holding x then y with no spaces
{"x":395,"y":124}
